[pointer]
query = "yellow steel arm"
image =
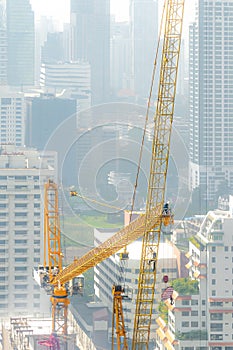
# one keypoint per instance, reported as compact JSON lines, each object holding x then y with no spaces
{"x":122,"y":238}
{"x":158,"y":172}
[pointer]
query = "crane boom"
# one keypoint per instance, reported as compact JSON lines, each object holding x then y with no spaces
{"x":158,"y":172}
{"x":54,"y":278}
{"x":111,"y":246}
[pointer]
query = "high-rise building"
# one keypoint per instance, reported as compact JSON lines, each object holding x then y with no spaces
{"x":21,"y":42}
{"x":90,"y":26}
{"x":121,"y":72}
{"x":211,"y":96}
{"x":73,"y":76}
{"x":3,"y":46}
{"x":202,"y":319}
{"x":144,"y":26}
{"x":12,"y":117}
{"x":23,"y":173}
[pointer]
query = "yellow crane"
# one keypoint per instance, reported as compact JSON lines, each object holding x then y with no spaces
{"x":61,"y":282}
{"x":158,"y":172}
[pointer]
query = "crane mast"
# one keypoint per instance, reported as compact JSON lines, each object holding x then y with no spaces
{"x":56,"y":280}
{"x":158,"y":172}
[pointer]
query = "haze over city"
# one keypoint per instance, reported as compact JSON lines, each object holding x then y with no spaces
{"x":116,"y":175}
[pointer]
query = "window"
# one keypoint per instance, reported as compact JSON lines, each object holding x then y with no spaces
{"x":216,"y":327}
{"x":185,"y":324}
{"x":21,"y":187}
{"x":20,"y":268}
{"x":226,"y":249}
{"x":21,"y":196}
{"x":194,"y":324}
{"x":213,"y":282}
{"x":21,"y":251}
{"x":21,"y":260}
{"x":23,"y":178}
{"x":213,"y":249}
{"x":203,"y":302}
{"x":20,"y":278}
{"x":213,"y":270}
{"x":185,"y":302}
{"x":21,"y":232}
{"x":20,"y":223}
{"x":216,"y":316}
{"x":20,"y":305}
{"x":20,"y":296}
{"x":194,"y":302}
{"x":21,"y":205}
{"x":185,"y":313}
{"x":194,"y":313}
{"x":21,"y":241}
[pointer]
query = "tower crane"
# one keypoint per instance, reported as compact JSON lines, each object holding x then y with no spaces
{"x":61,"y":282}
{"x":158,"y":172}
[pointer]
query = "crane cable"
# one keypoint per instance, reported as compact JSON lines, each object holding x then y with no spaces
{"x":95,"y":201}
{"x":147,"y":113}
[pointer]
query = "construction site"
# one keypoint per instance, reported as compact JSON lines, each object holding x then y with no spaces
{"x":60,"y":282}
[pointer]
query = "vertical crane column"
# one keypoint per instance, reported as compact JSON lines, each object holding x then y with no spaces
{"x":158,"y":172}
{"x":53,"y":258}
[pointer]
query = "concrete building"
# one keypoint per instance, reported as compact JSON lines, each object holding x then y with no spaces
{"x":12,"y":117}
{"x":44,"y":115}
{"x":144,"y":28}
{"x":21,"y":43}
{"x":121,"y":58}
{"x":90,"y":35}
{"x":3,"y":45}
{"x":204,"y":320}
{"x":23,"y":174}
{"x":107,"y":273}
{"x":72,"y":76}
{"x":211,"y":96}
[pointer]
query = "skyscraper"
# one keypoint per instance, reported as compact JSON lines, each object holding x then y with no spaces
{"x":23,"y":173}
{"x":211,"y":99}
{"x":90,"y":23}
{"x":3,"y":46}
{"x":21,"y":42}
{"x":144,"y":24}
{"x":12,"y":117}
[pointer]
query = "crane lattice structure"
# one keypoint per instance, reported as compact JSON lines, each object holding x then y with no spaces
{"x":54,"y":278}
{"x":158,"y":172}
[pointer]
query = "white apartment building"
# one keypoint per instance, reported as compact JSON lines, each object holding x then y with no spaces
{"x":23,"y":173}
{"x":107,"y":273}
{"x":12,"y":117}
{"x":205,"y":321}
{"x":72,"y":76}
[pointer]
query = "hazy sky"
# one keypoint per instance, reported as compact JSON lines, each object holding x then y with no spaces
{"x":59,"y":9}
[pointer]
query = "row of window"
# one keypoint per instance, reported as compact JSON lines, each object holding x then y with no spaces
{"x":18,"y":223}
{"x":18,"y":178}
{"x":19,"y":196}
{"x":18,"y":232}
